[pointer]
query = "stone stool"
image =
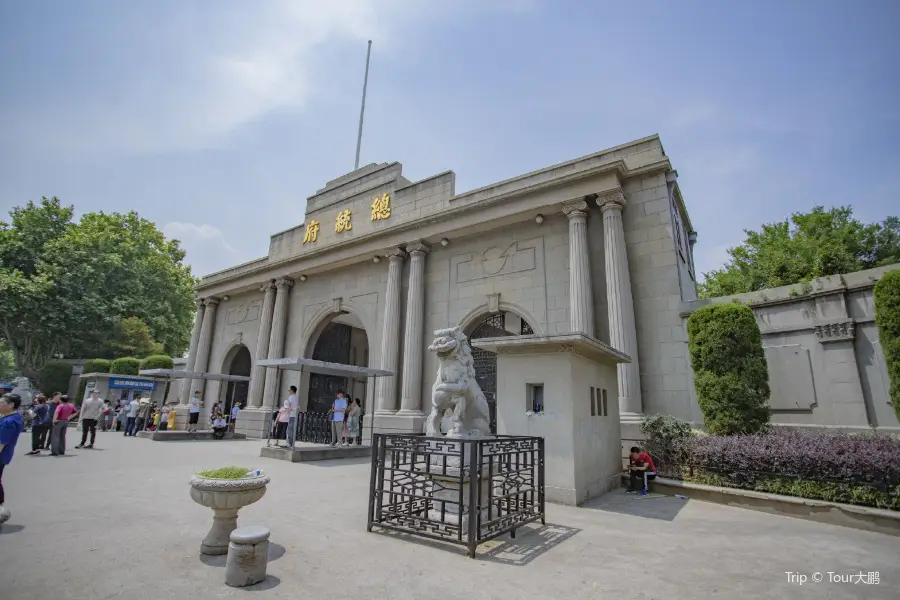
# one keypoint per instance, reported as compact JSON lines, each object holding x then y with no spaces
{"x":248,"y":556}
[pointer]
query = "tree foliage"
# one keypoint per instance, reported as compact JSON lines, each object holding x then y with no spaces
{"x":887,"y":317}
{"x":730,"y":371}
{"x":131,"y":337}
{"x":7,"y":363}
{"x":71,"y":287}
{"x":54,"y":377}
{"x":127,"y":365}
{"x":157,"y":361}
{"x":805,"y":246}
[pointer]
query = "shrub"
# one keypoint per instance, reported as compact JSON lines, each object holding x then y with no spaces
{"x":125,"y":366}
{"x":887,"y":317}
{"x":54,"y":377}
{"x":225,"y":473}
{"x":730,"y":372}
{"x":827,"y":465}
{"x":157,"y":361}
{"x":95,"y":365}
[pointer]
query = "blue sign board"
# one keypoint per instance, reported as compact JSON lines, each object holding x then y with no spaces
{"x":123,"y":383}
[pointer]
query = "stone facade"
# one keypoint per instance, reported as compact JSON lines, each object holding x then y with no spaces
{"x":826,"y":366}
{"x":599,"y":245}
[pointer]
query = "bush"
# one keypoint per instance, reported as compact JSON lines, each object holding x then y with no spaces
{"x":125,"y":366}
{"x":730,"y":372}
{"x":157,"y":361}
{"x":54,"y":377}
{"x":660,"y":434}
{"x":887,"y":317}
{"x":826,"y":465}
{"x":95,"y":365}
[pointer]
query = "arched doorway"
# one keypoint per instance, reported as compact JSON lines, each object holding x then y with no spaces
{"x":496,"y":325}
{"x":342,"y":340}
{"x":236,"y":392}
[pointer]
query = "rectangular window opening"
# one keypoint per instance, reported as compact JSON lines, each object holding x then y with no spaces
{"x":593,"y":401}
{"x":536,"y":397}
{"x":605,"y":408}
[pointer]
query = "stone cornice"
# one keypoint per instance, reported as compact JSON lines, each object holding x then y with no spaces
{"x":571,"y":343}
{"x":843,"y":331}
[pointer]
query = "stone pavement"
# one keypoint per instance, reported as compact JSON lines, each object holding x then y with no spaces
{"x":117,"y":522}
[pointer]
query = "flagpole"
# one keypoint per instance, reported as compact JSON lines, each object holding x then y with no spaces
{"x":362,"y":109}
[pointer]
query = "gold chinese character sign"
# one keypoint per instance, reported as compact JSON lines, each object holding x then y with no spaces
{"x":343,"y":221}
{"x":381,"y":208}
{"x":312,"y":232}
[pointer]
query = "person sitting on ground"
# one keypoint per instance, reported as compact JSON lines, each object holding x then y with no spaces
{"x":219,"y":426}
{"x":641,"y":470}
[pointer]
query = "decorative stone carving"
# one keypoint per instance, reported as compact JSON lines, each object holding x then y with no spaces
{"x":244,"y":312}
{"x":455,"y":388}
{"x":836,"y":332}
{"x":212,"y":301}
{"x":614,"y":199}
{"x":575,"y":208}
{"x":493,"y":303}
{"x":518,"y":257}
{"x":225,"y":497}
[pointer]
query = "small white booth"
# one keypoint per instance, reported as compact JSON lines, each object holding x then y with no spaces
{"x":175,"y":377}
{"x":563,"y":388}
{"x":123,"y":388}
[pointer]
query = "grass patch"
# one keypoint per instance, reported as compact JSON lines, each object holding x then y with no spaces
{"x":225,"y":473}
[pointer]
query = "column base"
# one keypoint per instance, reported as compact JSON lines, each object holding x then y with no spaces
{"x":254,"y":422}
{"x":408,"y":412}
{"x":392,"y":423}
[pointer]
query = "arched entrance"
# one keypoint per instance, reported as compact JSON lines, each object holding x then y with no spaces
{"x":342,"y":340}
{"x":236,"y":392}
{"x":496,"y":325}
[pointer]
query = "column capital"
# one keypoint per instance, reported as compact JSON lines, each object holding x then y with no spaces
{"x":267,"y":286}
{"x":198,"y":303}
{"x":575,"y":208}
{"x":211,"y":301}
{"x":284,"y":282}
{"x":395,"y":254}
{"x":417,"y":248}
{"x":611,"y":200}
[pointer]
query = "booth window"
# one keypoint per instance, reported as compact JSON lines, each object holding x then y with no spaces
{"x":536,"y":397}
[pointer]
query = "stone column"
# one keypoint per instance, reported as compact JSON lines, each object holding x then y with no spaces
{"x":258,"y":374}
{"x":204,"y":344}
{"x":411,"y":396}
{"x":185,"y":385}
{"x":390,"y":347}
{"x":622,"y":332}
{"x":581,"y":300}
{"x":276,"y":339}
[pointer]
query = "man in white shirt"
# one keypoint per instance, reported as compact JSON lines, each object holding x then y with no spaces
{"x":292,"y":420}
{"x":194,"y":412}
{"x":91,"y":410}
{"x":133,"y":407}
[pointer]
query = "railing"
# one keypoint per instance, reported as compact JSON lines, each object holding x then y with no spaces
{"x":312,"y":427}
{"x":459,"y":491}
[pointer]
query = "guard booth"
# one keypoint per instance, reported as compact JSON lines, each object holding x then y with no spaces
{"x":176,"y":377}
{"x":315,"y":427}
{"x":123,"y":388}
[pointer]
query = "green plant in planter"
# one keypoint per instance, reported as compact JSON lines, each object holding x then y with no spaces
{"x":225,"y":473}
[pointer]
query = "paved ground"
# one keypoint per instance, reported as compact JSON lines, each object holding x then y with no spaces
{"x":118,"y":522}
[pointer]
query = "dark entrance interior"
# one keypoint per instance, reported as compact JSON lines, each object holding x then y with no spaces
{"x":237,"y":390}
{"x":497,"y":325}
{"x":343,"y":341}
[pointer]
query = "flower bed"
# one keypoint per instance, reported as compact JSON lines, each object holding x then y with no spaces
{"x":862,"y":469}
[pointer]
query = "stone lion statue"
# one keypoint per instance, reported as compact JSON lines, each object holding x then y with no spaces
{"x":455,"y":388}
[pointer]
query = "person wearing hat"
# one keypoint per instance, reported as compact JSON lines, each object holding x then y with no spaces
{"x":11,"y":426}
{"x":143,"y":415}
{"x":91,"y":410}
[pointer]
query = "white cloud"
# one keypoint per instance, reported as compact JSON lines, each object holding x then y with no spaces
{"x":203,"y":245}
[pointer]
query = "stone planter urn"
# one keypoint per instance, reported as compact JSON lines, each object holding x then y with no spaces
{"x":225,"y":497}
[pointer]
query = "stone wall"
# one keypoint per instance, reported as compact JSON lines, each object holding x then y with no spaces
{"x":826,"y":366}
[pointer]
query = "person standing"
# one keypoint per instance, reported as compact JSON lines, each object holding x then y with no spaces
{"x":284,"y":415}
{"x":338,"y":410}
{"x":194,"y":412}
{"x":172,"y":414}
{"x":40,"y":426}
{"x":353,"y":418}
{"x":91,"y":412}
{"x":131,"y":416}
{"x":11,"y":426}
{"x":292,"y":417}
{"x":164,"y":417}
{"x":61,"y":417}
{"x":106,"y":417}
{"x":234,"y":414}
{"x":143,"y":416}
{"x":54,"y":402}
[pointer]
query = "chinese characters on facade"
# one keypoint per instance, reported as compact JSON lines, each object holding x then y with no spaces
{"x":381,"y":210}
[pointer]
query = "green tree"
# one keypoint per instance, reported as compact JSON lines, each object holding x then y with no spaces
{"x":7,"y":363}
{"x":158,"y":361}
{"x":887,"y":317}
{"x":54,"y":377}
{"x":805,"y":246}
{"x":731,"y":376}
{"x":67,"y":285}
{"x":127,"y":365}
{"x":132,"y":337}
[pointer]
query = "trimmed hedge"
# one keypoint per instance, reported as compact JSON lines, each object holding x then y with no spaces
{"x":125,"y":366}
{"x":157,"y":361}
{"x":887,"y":317}
{"x":861,"y":469}
{"x":730,"y":372}
{"x":54,"y":377}
{"x":97,"y":365}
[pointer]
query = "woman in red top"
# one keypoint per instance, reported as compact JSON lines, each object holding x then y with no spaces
{"x":642,"y":470}
{"x":61,"y":416}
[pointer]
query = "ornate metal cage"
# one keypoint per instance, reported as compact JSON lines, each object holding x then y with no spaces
{"x":460,"y":491}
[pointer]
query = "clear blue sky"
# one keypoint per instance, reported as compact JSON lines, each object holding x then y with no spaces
{"x":216,"y":119}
